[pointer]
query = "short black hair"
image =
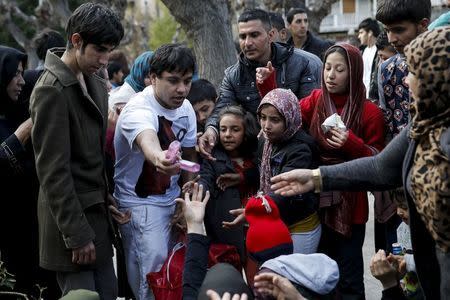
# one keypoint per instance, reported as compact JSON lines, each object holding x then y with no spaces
{"x":45,"y":40}
{"x":393,"y":11}
{"x":256,"y":14}
{"x":251,"y":129}
{"x":382,"y":41}
{"x":96,"y":24}
{"x":294,"y":11}
{"x":172,"y":58}
{"x":201,"y":89}
{"x":277,"y":20}
{"x":370,"y":24}
{"x":113,"y":68}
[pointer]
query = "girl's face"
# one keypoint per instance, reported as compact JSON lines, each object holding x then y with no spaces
{"x":272,"y":123}
{"x":231,"y":133}
{"x":412,"y":82}
{"x":336,"y":74}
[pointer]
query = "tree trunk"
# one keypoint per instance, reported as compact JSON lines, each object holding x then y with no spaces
{"x":207,"y":24}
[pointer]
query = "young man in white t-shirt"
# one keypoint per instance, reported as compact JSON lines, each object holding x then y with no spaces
{"x":147,"y":182}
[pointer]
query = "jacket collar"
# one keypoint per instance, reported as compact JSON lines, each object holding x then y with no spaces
{"x":56,"y":66}
{"x":280,"y":53}
{"x":66,"y":77}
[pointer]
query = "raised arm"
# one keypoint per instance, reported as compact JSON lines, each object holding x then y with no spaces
{"x":380,"y":172}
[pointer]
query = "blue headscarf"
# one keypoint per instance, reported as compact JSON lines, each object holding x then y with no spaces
{"x":139,"y":70}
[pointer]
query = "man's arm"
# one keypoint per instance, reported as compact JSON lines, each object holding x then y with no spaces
{"x":148,"y":142}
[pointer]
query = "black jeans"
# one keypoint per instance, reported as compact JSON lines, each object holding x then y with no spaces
{"x":347,"y":252}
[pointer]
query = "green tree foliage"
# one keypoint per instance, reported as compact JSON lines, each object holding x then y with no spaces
{"x":163,"y":30}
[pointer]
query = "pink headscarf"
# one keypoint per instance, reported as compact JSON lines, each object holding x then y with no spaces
{"x":287,"y":105}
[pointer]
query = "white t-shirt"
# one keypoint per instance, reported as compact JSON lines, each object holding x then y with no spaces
{"x":137,"y":181}
{"x":368,"y":57}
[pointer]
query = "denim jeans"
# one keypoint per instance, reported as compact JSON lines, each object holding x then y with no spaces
{"x":307,"y":242}
{"x":146,"y":241}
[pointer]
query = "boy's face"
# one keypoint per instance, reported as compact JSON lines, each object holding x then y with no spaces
{"x":171,"y":88}
{"x":402,"y":33}
{"x":203,"y":110}
{"x":363,"y":36}
{"x":90,"y":58}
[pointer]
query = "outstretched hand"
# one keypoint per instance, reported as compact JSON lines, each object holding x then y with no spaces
{"x":194,"y":208}
{"x":213,"y":295}
{"x":207,"y":142}
{"x":384,"y":269}
{"x":262,"y":73}
{"x":240,"y":218}
{"x":292,"y":183}
{"x":276,"y":286}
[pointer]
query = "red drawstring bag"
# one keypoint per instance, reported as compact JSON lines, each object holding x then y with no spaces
{"x":168,"y":282}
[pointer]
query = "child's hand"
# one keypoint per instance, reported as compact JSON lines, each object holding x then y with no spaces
{"x":188,"y":186}
{"x":194,"y":209}
{"x":224,"y":181}
{"x":240,"y":218}
{"x":338,"y":137}
{"x":262,"y":73}
{"x":383,"y":270}
{"x":276,"y":286}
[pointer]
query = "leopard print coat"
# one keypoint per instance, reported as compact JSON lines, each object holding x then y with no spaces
{"x":428,"y":58}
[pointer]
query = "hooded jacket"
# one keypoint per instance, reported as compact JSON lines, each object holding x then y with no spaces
{"x":238,"y":87}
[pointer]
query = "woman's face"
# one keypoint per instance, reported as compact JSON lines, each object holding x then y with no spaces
{"x":272,"y":123}
{"x":336,"y":74}
{"x":411,"y":81}
{"x":14,"y":87}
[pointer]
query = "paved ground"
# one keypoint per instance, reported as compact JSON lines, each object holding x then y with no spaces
{"x":373,"y":286}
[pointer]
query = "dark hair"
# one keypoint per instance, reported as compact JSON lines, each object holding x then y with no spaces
{"x":96,"y":24}
{"x":119,"y":57}
{"x":113,"y":68}
{"x":294,"y":11}
{"x":393,"y":11}
{"x":277,"y":20}
{"x":45,"y":40}
{"x":370,"y":24}
{"x":250,"y":142}
{"x":201,"y":89}
{"x":382,"y":41}
{"x":256,"y":14}
{"x":172,"y":58}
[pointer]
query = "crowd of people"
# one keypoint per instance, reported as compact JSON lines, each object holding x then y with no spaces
{"x":288,"y":147}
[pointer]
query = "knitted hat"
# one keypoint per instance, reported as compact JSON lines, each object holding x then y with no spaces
{"x":267,"y":237}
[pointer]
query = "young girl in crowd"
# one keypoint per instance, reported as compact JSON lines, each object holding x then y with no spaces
{"x":343,"y":214}
{"x":284,"y":146}
{"x":232,"y":177}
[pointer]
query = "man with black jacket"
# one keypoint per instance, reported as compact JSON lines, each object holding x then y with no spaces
{"x":301,"y":37}
{"x":239,"y":84}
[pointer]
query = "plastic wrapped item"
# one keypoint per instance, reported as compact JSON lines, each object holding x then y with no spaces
{"x":333,"y":121}
{"x":172,"y":154}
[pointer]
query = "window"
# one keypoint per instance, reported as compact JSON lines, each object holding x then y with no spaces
{"x":348,"y":6}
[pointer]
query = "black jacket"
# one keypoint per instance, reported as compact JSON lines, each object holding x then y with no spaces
{"x":239,"y":83}
{"x":221,"y":202}
{"x":314,"y":45}
{"x":299,"y":152}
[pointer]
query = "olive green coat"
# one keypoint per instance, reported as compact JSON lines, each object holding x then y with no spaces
{"x":68,"y":136}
